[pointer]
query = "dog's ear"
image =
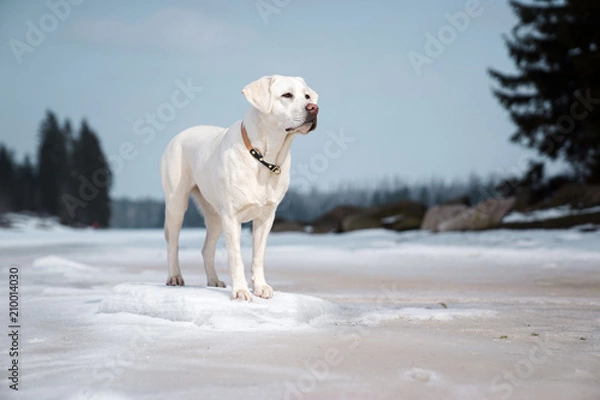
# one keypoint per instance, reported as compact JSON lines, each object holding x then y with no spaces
{"x":314,"y":96}
{"x":258,"y":93}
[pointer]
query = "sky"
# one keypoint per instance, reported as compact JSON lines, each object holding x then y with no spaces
{"x":403,"y":86}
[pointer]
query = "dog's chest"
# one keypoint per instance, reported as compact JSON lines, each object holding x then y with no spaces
{"x":251,"y":212}
{"x":258,"y":198}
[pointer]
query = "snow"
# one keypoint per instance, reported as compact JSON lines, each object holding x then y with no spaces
{"x":412,"y":314}
{"x":53,"y":265}
{"x":30,"y":223}
{"x":421,"y":375}
{"x":212,"y":308}
{"x":392,"y":219}
{"x":369,"y":314}
{"x":551,"y":213}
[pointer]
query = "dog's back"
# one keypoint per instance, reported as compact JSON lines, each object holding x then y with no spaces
{"x":181,"y":154}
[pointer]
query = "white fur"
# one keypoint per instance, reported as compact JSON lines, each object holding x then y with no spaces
{"x":230,"y":186}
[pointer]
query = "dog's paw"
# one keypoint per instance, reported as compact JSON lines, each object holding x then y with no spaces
{"x":265,"y":291}
{"x":216,"y":283}
{"x":175,"y":281}
{"x":241,"y":294}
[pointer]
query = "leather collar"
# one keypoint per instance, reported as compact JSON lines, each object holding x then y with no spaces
{"x":257,"y":154}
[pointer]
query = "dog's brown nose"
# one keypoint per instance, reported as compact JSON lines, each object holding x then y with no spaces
{"x":312,"y":108}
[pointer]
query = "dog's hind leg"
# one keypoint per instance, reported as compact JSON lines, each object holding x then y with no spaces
{"x":175,"y":208}
{"x":214,"y":228}
{"x":173,"y":220}
{"x":176,"y":183}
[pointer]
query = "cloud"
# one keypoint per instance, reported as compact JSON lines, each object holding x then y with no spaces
{"x":168,"y":29}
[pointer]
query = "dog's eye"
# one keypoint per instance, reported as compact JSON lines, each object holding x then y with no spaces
{"x":287,"y":95}
{"x":307,"y":97}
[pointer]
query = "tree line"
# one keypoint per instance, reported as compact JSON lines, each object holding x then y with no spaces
{"x":307,"y":206}
{"x":70,"y":178}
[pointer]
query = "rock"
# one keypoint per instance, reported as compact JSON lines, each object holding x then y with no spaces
{"x":406,"y":208}
{"x":360,"y":221}
{"x":523,"y":199}
{"x":283,"y":225}
{"x":577,"y":196}
{"x":439,"y":214}
{"x":399,"y":216}
{"x":464,"y":200}
{"x":405,"y":224}
{"x":332,"y":220}
{"x":485,"y":215}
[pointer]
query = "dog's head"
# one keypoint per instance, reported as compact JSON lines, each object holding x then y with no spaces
{"x":285,"y":101}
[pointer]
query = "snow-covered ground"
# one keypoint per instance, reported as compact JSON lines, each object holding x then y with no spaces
{"x":550,"y":213}
{"x":366,"y":315}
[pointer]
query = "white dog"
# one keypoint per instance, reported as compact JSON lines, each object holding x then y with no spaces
{"x":236,"y":175}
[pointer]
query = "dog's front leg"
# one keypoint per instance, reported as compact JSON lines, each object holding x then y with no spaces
{"x":233,"y":228}
{"x":260,"y":231}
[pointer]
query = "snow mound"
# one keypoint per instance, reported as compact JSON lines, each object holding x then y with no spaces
{"x":67,"y":271}
{"x":56,"y":264}
{"x":61,"y":272}
{"x":424,"y":376}
{"x":213,"y":309}
{"x":413,"y":314}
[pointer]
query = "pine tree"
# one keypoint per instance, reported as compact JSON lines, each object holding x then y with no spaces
{"x":7,"y":180}
{"x":554,"y":97}
{"x":94,"y":178}
{"x":52,"y":166}
{"x":25,"y":194}
{"x":69,"y":188}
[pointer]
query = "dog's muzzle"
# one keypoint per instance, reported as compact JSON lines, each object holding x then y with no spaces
{"x":312,"y":110}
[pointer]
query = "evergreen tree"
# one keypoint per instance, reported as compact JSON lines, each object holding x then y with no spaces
{"x":52,"y":166}
{"x":7,"y":180}
{"x":25,"y":194}
{"x":70,"y":184}
{"x":94,"y":178}
{"x":554,"y":97}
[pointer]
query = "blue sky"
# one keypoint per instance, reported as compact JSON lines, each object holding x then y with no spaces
{"x":115,"y":62}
